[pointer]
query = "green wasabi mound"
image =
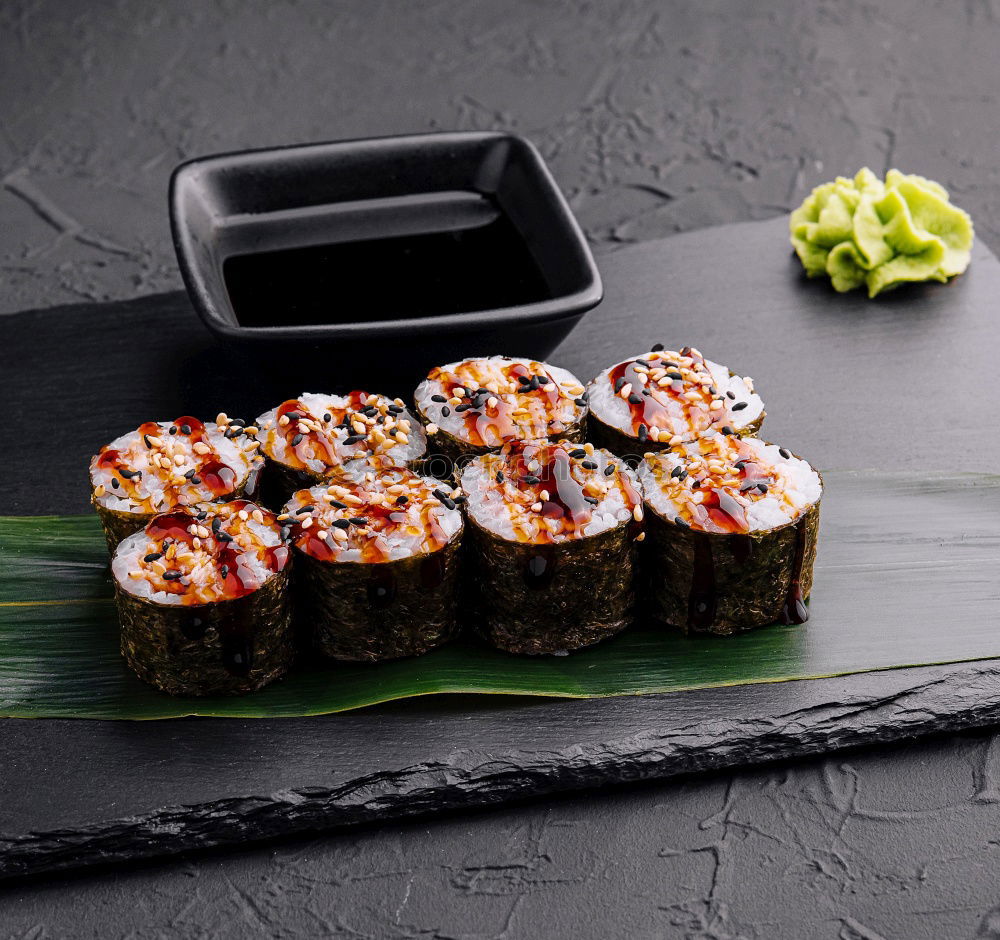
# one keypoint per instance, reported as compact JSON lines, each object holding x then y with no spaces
{"x":863,"y":231}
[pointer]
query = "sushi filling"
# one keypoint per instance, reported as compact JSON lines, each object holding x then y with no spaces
{"x":725,"y":484}
{"x":369,"y":516}
{"x":211,"y":552}
{"x":485,"y":402}
{"x":316,"y":433}
{"x":669,"y":397}
{"x":166,"y":464}
{"x":541,"y":492}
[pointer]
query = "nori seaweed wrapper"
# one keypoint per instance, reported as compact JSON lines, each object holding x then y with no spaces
{"x":377,"y":572}
{"x":710,"y":570}
{"x":705,"y":582}
{"x":552,"y":537}
{"x":229,"y":647}
{"x":550,"y":598}
{"x":228,"y":629}
{"x":369,"y":612}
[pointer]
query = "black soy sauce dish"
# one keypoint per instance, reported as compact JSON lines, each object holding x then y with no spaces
{"x":427,"y":248}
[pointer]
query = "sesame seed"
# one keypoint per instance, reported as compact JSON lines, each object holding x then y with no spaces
{"x":433,"y":428}
{"x":609,"y":469}
{"x":152,"y":556}
{"x":306,"y":523}
{"x":640,"y":537}
{"x":784,"y":453}
{"x":588,"y":465}
{"x":739,"y":406}
{"x":637,"y":513}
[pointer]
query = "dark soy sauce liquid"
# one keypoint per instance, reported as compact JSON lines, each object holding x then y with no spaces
{"x":406,"y":276}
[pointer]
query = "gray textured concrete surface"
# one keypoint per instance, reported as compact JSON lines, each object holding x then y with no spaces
{"x":656,"y":117}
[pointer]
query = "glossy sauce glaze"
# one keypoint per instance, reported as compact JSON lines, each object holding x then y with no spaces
{"x":672,"y":396}
{"x":207,"y":553}
{"x":317,"y":433}
{"x":161,"y":465}
{"x":487,"y":402}
{"x":373,"y":517}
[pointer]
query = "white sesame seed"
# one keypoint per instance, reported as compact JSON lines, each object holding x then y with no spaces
{"x":432,"y":429}
{"x":307,"y":522}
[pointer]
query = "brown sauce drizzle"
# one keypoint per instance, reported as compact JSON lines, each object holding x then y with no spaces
{"x":664,"y":407}
{"x":794,"y":610}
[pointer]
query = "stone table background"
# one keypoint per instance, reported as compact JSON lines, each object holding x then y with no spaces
{"x":656,"y":118}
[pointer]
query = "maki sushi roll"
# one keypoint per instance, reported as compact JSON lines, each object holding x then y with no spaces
{"x":478,"y":405}
{"x":732,"y":528}
{"x":377,"y":563}
{"x":306,"y":439}
{"x":163,"y":465}
{"x":665,"y":397}
{"x":203,"y":599}
{"x":553,"y":527}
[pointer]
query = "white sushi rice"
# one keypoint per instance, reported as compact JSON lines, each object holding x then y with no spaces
{"x":794,"y":486}
{"x":159,"y":489}
{"x":490,"y":504}
{"x":411,"y":529}
{"x":390,"y":452}
{"x":489,"y":373}
{"x":204,"y":574}
{"x":615,"y":412}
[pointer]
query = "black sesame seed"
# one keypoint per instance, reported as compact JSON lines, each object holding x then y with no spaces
{"x":609,"y":469}
{"x":676,"y":376}
{"x":224,"y":571}
{"x":635,"y":399}
{"x":696,"y":484}
{"x":445,"y":411}
{"x":643,"y":433}
{"x":223,"y":536}
{"x":676,"y":472}
{"x":292,"y":415}
{"x":115,"y":483}
{"x":642,"y":362}
{"x":588,"y":465}
{"x":185,"y":429}
{"x":296,"y":440}
{"x":656,"y":347}
{"x":147,"y":441}
{"x":682,"y":522}
{"x":686,"y":351}
{"x":593,"y":500}
{"x":402,"y":500}
{"x":727,"y":430}
{"x":682,"y":475}
{"x":202,"y":515}
{"x":580,"y":401}
{"x":358,"y":520}
{"x":578,"y":454}
{"x":328,"y":417}
{"x":440,"y":495}
{"x":448,"y":502}
{"x":172,"y":575}
{"x":395,"y":409}
{"x":762,"y":487}
{"x":438,"y":398}
{"x":499,"y":477}
{"x":463,"y":407}
{"x":712,"y":390}
{"x":731,"y":394}
{"x":303,"y":510}
{"x":740,"y":405}
{"x":196,"y":480}
{"x":152,"y":556}
{"x":369,"y":412}
{"x":459,"y":499}
{"x":531,"y":479}
{"x":353,"y":438}
{"x":173,"y":430}
{"x":129,"y":474}
{"x":543,"y":379}
{"x":749,"y":485}
{"x":784,"y":453}
{"x":341,"y":523}
{"x":619,"y":383}
{"x":337,"y":504}
{"x":189,"y":474}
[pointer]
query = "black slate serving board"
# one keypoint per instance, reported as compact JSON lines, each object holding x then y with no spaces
{"x":896,"y":384}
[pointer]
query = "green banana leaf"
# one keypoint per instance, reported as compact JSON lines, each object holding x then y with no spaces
{"x":908,"y":574}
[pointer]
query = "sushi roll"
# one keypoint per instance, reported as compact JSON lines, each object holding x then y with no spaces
{"x":306,"y":439}
{"x":553,"y":528}
{"x":665,"y":397}
{"x":732,"y":526}
{"x":163,"y":465}
{"x":377,"y":563}
{"x":478,"y":405}
{"x":203,"y":599}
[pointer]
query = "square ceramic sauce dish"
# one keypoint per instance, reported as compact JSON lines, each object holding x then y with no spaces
{"x":434,"y":247}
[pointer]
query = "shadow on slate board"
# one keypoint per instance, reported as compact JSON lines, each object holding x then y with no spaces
{"x":848,"y":383}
